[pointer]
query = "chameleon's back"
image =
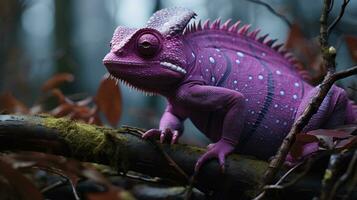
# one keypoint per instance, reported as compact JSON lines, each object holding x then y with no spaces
{"x":268,"y":78}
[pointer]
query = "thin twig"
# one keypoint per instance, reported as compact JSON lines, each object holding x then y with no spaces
{"x":331,"y":173}
{"x":342,"y":12}
{"x":59,"y":172}
{"x":331,"y":6}
{"x":139,"y":132}
{"x":53,"y":185}
{"x":188,"y":192}
{"x":272,"y":10}
{"x":303,"y":120}
{"x":277,"y":184}
{"x":345,"y":176}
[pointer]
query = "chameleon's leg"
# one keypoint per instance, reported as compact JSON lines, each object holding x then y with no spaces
{"x":210,"y":98}
{"x":170,"y":124}
{"x":332,"y":113}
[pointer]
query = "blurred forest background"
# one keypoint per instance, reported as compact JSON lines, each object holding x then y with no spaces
{"x":39,"y":38}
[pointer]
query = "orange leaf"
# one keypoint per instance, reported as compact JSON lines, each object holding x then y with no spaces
{"x":109,"y":100}
{"x":301,"y":140}
{"x":338,"y":132}
{"x":10,"y":104}
{"x":24,"y":188}
{"x":57,"y":80}
{"x":351,"y":42}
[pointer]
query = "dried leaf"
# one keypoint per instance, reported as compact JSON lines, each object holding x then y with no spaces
{"x":59,"y":95}
{"x":9,"y":104}
{"x":25,"y":190}
{"x":351,"y":42}
{"x":295,"y":36}
{"x":346,"y":143}
{"x":109,"y":100}
{"x":301,"y":140}
{"x":338,"y":132}
{"x":307,"y":51}
{"x":56,"y":81}
{"x":62,"y":110}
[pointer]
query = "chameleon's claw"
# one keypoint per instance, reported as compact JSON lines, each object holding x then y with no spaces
{"x":151,"y":133}
{"x":174,"y":134}
{"x":217,"y":150}
{"x":175,"y":137}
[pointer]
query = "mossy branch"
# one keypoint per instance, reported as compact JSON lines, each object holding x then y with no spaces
{"x":124,"y":150}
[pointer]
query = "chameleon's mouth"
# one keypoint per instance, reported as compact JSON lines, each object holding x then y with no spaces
{"x":166,"y":65}
{"x":173,"y":67}
{"x":148,"y":77}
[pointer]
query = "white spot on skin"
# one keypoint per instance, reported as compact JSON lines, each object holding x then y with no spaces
{"x":285,"y":123}
{"x":296,"y":84}
{"x":278,"y":72}
{"x":263,"y":54}
{"x":277,"y":121}
{"x":199,"y":61}
{"x":245,"y":85}
{"x":206,"y":70}
{"x":253,"y":112}
{"x":276,"y":105}
{"x":237,"y":61}
{"x":295,"y":96}
{"x":240,"y":54}
{"x":282,"y":93}
{"x":250,"y":77}
{"x":260,"y":77}
{"x":213,"y":79}
{"x":246,"y":99}
{"x":211,"y":59}
{"x":235,"y":81}
{"x":218,"y":50}
{"x":193,"y":55}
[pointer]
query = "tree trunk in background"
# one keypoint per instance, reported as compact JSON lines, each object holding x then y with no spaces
{"x":10,"y":15}
{"x":66,"y":60}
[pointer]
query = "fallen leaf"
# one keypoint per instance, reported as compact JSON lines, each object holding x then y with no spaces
{"x":338,"y":132}
{"x":109,"y":100}
{"x":25,"y":190}
{"x":56,"y":81}
{"x":9,"y":104}
{"x":351,"y":42}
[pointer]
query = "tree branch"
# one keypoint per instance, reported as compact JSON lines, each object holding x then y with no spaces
{"x":272,"y":10}
{"x":342,"y":12}
{"x":329,"y":54}
{"x":124,"y":150}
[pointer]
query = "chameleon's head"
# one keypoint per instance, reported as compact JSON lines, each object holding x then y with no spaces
{"x":154,"y":58}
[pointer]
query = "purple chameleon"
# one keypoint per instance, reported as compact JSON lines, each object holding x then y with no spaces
{"x":240,"y":90}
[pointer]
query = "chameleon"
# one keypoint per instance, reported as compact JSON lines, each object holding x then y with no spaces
{"x":241,"y":90}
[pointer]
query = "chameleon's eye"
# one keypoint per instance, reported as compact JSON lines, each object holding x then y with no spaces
{"x":148,"y":45}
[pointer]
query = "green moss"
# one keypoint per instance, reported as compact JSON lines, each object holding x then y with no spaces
{"x":89,"y":142}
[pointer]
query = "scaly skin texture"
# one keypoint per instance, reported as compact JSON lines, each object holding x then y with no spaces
{"x":238,"y":89}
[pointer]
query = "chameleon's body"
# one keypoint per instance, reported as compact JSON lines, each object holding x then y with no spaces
{"x":237,"y":88}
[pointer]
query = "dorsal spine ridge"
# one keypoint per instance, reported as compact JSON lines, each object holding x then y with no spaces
{"x":244,"y":30}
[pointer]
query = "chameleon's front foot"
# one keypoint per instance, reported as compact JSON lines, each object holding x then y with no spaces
{"x":172,"y":134}
{"x":217,"y":150}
